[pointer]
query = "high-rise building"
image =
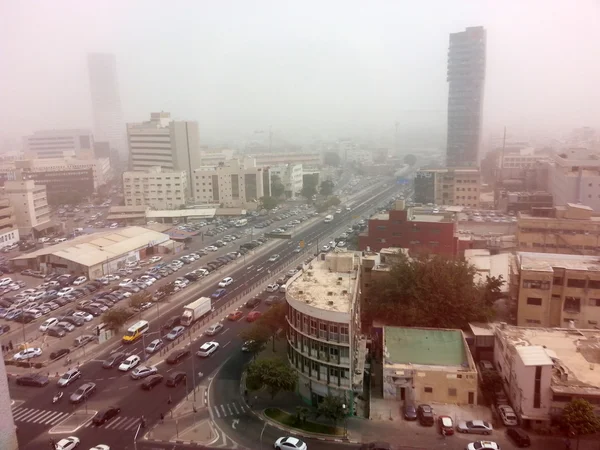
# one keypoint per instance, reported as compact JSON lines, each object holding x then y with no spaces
{"x":8,"y":431}
{"x":59,"y":144}
{"x":466,"y":80}
{"x":106,"y":101}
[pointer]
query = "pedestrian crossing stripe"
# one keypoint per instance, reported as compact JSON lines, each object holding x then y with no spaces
{"x":41,"y":416}
{"x":118,"y":423}
{"x":229,"y":409}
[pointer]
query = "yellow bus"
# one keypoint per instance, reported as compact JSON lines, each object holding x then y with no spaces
{"x":135,"y":331}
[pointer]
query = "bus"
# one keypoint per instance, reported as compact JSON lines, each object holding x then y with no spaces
{"x":241,"y":223}
{"x":135,"y":331}
{"x":328,"y":218}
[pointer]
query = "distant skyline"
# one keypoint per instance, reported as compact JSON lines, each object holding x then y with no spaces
{"x":311,"y":69}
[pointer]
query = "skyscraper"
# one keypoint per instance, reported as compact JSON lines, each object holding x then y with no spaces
{"x":466,"y":79}
{"x":106,"y":102}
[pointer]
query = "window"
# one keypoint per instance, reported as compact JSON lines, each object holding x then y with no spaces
{"x":536,"y":284}
{"x":451,"y":392}
{"x":557,"y":281}
{"x":533,"y":321}
{"x":572,"y":304}
{"x":594,"y":301}
{"x":535,"y":301}
{"x":428,"y":390}
{"x":575,"y":283}
{"x":594,"y":284}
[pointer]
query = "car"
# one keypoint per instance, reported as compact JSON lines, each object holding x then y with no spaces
{"x":155,"y":259}
{"x":482,"y":445}
{"x":59,"y":353}
{"x":325,"y":248}
{"x":152,"y":381}
{"x":175,"y":333}
{"x":34,"y":380}
{"x":219,"y":293}
{"x":508,"y":416}
{"x":253,"y":302}
{"x":235,"y":316}
{"x":178,"y":355}
{"x":253,"y":315}
{"x":83,"y":340}
{"x":171,"y":322}
{"x":207,"y":349}
{"x":212,"y":248}
{"x":113,"y":360}
{"x":474,"y":427}
{"x":69,"y":377}
{"x":105,"y":415}
{"x":84,"y":315}
{"x":143,"y":372}
{"x":273,"y":287}
{"x":272,"y":300}
{"x":425,"y":415}
{"x":79,"y":281}
{"x":64,"y":291}
{"x":100,"y":447}
{"x":154,"y":346}
{"x":27,"y":354}
{"x":274,"y":258}
{"x":518,"y":436}
{"x":289,"y":443}
{"x":56,"y":331}
{"x":68,"y":443}
{"x":77,"y":321}
{"x":5,"y":281}
{"x":445,"y":425}
{"x":83,"y":392}
{"x":125,"y":282}
{"x":225,"y":282}
{"x":47,"y":324}
{"x":486,"y":365}
{"x":409,"y":411}
{"x":129,"y":363}
{"x":213,"y":329}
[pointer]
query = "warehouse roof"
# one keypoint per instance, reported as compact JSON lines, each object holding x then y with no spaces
{"x":96,"y":248}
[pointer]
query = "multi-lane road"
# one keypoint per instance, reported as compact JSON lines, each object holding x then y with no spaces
{"x":36,"y":415}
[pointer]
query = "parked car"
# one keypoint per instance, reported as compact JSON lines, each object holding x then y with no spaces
{"x":518,"y":436}
{"x":34,"y":380}
{"x":177,"y":356}
{"x":27,"y":354}
{"x":425,"y":415}
{"x":176,"y":378}
{"x":255,"y":301}
{"x":508,"y":416}
{"x":445,"y":425}
{"x":409,"y":411}
{"x":474,"y":427}
{"x":482,"y":445}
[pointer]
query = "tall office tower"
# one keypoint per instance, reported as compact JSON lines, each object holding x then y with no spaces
{"x":106,"y":102}
{"x":8,"y":435}
{"x":466,"y":79}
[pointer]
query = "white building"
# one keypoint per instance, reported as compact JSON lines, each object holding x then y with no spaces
{"x":215,"y":156}
{"x":30,"y":206}
{"x":291,"y":176}
{"x":235,"y":183}
{"x":307,"y":159}
{"x":9,"y":233}
{"x":155,"y":188}
{"x":106,"y":101}
{"x":172,"y":145}
{"x":8,"y":434}
{"x":59,"y":144}
{"x":323,"y":318}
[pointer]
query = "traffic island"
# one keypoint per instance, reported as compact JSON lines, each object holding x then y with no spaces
{"x":73,"y":422}
{"x":292,"y":421}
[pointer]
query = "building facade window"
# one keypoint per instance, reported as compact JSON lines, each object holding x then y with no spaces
{"x":534,"y":301}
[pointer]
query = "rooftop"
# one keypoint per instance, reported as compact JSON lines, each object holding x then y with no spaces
{"x":425,"y":346}
{"x":487,"y":264}
{"x":429,"y":218}
{"x":328,"y":283}
{"x":544,"y":262}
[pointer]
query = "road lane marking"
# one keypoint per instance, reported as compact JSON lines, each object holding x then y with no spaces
{"x":217,"y":411}
{"x":229,"y":409}
{"x":223,"y":409}
{"x":226,"y":344}
{"x":133,"y":424}
{"x":235,"y":407}
{"x":45,"y":416}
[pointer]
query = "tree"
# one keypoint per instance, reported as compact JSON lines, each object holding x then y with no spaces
{"x":309,"y":186}
{"x":492,"y":289}
{"x":326,"y":188}
{"x":115,"y":318}
{"x":409,"y":159}
{"x":331,"y":159}
{"x":256,"y":338}
{"x":268,"y":202}
{"x":332,"y":408}
{"x":273,"y":320}
{"x":301,"y":414}
{"x":274,"y":374}
{"x":277,"y":187}
{"x":168,"y":289}
{"x":491,"y":382}
{"x":579,"y":418}
{"x":428,"y":291}
{"x":136,"y":300}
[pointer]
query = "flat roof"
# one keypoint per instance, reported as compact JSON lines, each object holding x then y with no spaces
{"x":424,"y":346}
{"x":428,"y":218}
{"x":178,"y":213}
{"x":381,"y":216}
{"x":96,"y":248}
{"x":544,"y":262}
{"x":487,"y":264}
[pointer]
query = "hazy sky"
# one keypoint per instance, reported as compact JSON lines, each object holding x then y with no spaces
{"x":309,"y":66}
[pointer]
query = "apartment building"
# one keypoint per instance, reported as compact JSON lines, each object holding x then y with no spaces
{"x":30,"y":204}
{"x":556,"y":290}
{"x":544,"y":369}
{"x":569,"y":229}
{"x":323,"y":329}
{"x":307,"y":159}
{"x":291,"y":176}
{"x":233,"y":184}
{"x":156,"y":188}
{"x":59,"y":144}
{"x":514,"y":202}
{"x":9,"y":233}
{"x":215,"y":156}
{"x":454,"y":187}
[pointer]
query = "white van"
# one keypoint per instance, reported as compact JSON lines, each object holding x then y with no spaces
{"x":283,"y":288}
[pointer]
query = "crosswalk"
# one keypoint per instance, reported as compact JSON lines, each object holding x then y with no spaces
{"x":118,"y":423}
{"x":229,"y":409}
{"x":39,"y":416}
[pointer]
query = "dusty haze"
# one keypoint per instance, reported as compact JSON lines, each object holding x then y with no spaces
{"x":308,"y":67}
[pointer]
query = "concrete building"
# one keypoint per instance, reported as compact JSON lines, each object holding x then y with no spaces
{"x":455,"y":187}
{"x":569,"y":229}
{"x":162,"y":141}
{"x":9,"y":233}
{"x":428,"y":365}
{"x":324,"y":341}
{"x":98,"y":254}
{"x":155,"y":188}
{"x":466,"y":82}
{"x":30,"y":204}
{"x":291,"y":176}
{"x":236,"y":183}
{"x":106,"y":102}
{"x":8,"y":430}
{"x":544,"y":369}
{"x":307,"y":159}
{"x":514,"y":202}
{"x":215,"y":156}
{"x":59,"y":144}
{"x":554,"y":290}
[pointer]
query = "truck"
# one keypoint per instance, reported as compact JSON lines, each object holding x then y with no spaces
{"x":196,"y":310}
{"x":328,"y":218}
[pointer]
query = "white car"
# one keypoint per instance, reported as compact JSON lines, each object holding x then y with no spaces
{"x":483,"y":445}
{"x":289,"y":443}
{"x":65,"y":291}
{"x":100,"y":447}
{"x":225,"y":282}
{"x":83,"y":315}
{"x":36,"y":296}
{"x":125,"y":282}
{"x":5,"y":281}
{"x":43,"y":240}
{"x":155,"y":259}
{"x":143,"y":372}
{"x":274,"y":258}
{"x":67,"y":443}
{"x":207,"y":349}
{"x":112,"y":277}
{"x":154,"y":346}
{"x":211,"y":248}
{"x":272,"y":287}
{"x":341,"y":244}
{"x":28,"y":353}
{"x":508,"y":416}
{"x":214,"y":329}
{"x":129,"y":363}
{"x":79,"y":281}
{"x":148,"y":279}
{"x":47,"y":324}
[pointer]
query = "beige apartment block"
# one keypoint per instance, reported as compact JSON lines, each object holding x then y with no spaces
{"x":569,"y":229}
{"x":30,"y":204}
{"x":156,"y":188}
{"x":556,"y":290}
{"x":454,"y":187}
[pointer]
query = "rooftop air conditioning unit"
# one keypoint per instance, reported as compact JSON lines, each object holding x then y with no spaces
{"x":329,"y":293}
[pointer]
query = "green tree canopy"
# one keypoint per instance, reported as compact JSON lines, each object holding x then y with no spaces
{"x":578,"y":417}
{"x":257,"y":337}
{"x":274,"y":374}
{"x":115,"y":318}
{"x":491,"y":382}
{"x":326,"y":188}
{"x":332,"y":408}
{"x":273,"y":320}
{"x":277,"y":187}
{"x":268,"y":202}
{"x":331,"y":159}
{"x":309,"y":186}
{"x":428,"y":291}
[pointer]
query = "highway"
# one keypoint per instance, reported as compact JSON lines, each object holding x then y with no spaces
{"x":37,"y":415}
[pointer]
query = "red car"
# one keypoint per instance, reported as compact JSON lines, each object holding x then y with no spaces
{"x":254,"y":315}
{"x":446,"y":426}
{"x":234,"y":316}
